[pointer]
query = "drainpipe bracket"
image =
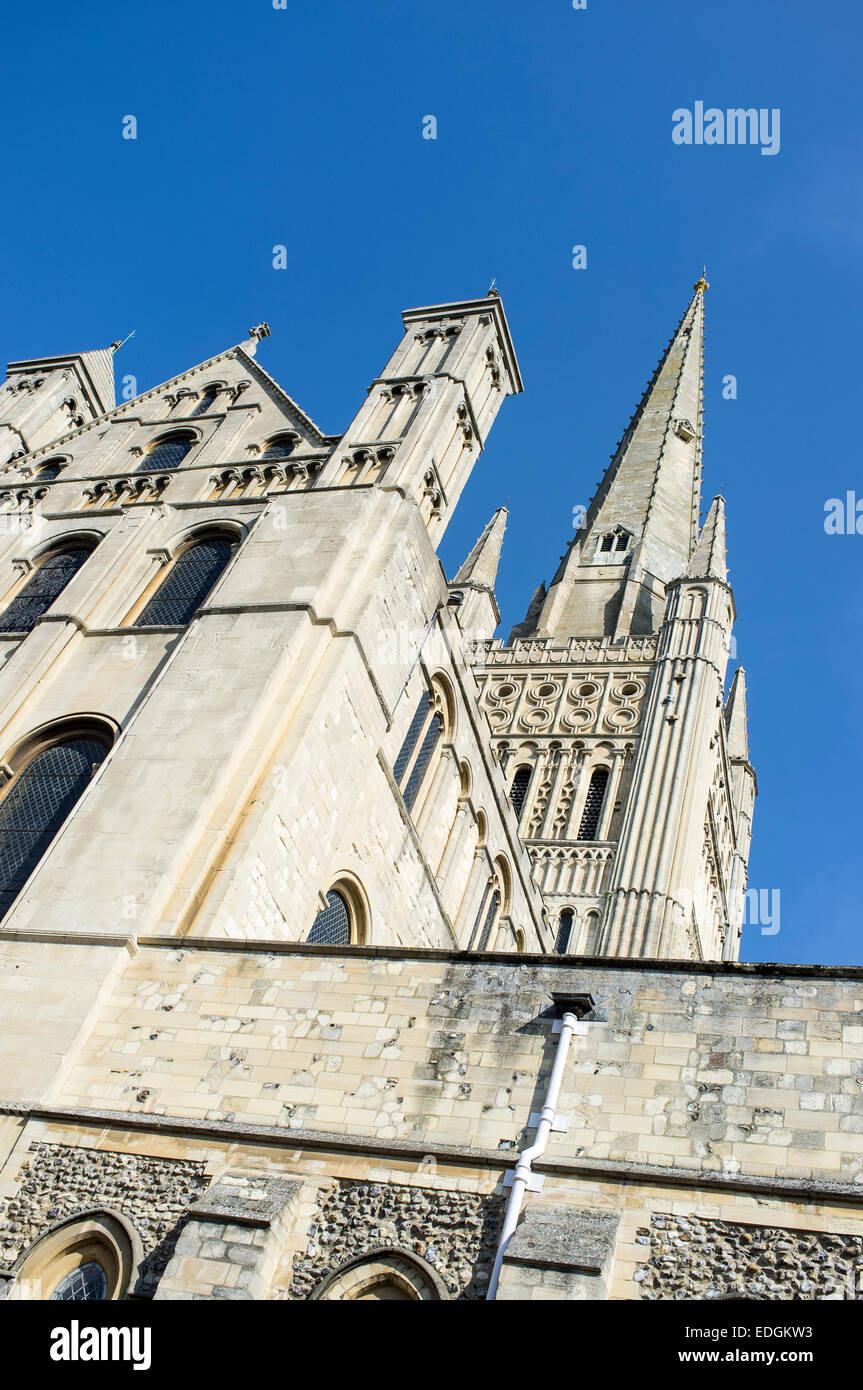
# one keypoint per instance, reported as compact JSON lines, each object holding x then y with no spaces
{"x":559,"y":1125}
{"x":579,"y":1030}
{"x":534,"y":1182}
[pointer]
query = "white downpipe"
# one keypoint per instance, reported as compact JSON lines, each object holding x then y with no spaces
{"x":570,"y":1025}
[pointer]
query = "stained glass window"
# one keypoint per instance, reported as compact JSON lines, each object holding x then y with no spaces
{"x":564,"y":931}
{"x":166,"y":454}
{"x":407,"y":749}
{"x":40,"y":591}
{"x":187,"y":583}
{"x":332,"y":926}
{"x":518,"y":790}
{"x":593,"y":804}
{"x":36,"y":805}
{"x":424,"y":757}
{"x":88,"y":1282}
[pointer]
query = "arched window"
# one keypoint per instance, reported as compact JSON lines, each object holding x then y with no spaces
{"x":406,"y":751}
{"x":332,"y":926}
{"x":622,"y":541}
{"x":51,"y":469}
{"x":279,"y":447}
{"x":36,"y":803}
{"x":94,"y":1256}
{"x":607,"y":542}
{"x":166,"y":453}
{"x":433,"y":736}
{"x":490,"y":919}
{"x":187,"y":583}
{"x":387,"y":1275}
{"x":593,"y":804}
{"x":564,"y":931}
{"x":87,"y":1283}
{"x":42,"y":588}
{"x":207,"y":401}
{"x":518,"y":790}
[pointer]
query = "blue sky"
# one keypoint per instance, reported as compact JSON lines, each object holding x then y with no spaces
{"x":302,"y":127}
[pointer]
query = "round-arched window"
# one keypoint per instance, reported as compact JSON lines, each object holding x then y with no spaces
{"x":51,"y":469}
{"x":166,"y":453}
{"x":332,"y":926}
{"x":190,"y":579}
{"x":45,"y":585}
{"x":92,"y":1257}
{"x":280,"y":446}
{"x":37,"y":802}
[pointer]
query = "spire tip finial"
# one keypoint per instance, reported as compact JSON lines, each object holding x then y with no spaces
{"x":118,"y":343}
{"x":702,"y":282}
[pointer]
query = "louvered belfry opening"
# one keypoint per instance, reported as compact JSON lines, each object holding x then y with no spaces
{"x":40,"y":591}
{"x":593,"y":804}
{"x":205,"y":403}
{"x":564,"y":931}
{"x":36,"y":805}
{"x":189,"y":580}
{"x":518,"y":790}
{"x":332,"y":926}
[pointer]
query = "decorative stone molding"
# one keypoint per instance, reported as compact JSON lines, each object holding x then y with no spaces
{"x":553,"y":702}
{"x":454,"y":1232}
{"x":242,"y":477}
{"x":143,"y":487}
{"x":363,"y":460}
{"x":579,"y":651}
{"x":433,"y":491}
{"x":24,"y":498}
{"x":691,"y":1258}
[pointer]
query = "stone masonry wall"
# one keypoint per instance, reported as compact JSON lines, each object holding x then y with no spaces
{"x":59,"y":1181}
{"x":455,"y":1232}
{"x":692,"y":1258}
{"x":737,"y":1070}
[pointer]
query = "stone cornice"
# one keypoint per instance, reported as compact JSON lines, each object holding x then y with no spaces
{"x":805,"y":1190}
{"x":570,"y":965}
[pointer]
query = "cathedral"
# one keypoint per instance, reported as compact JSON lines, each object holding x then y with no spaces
{"x":351,"y":952}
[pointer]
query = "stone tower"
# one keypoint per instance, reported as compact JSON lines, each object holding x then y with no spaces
{"x":288,"y":840}
{"x":633,"y":791}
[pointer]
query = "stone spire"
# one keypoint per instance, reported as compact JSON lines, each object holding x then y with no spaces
{"x":473,"y":586}
{"x":708,"y":558}
{"x":642,"y":524}
{"x":735,"y":717}
{"x":480,"y":567}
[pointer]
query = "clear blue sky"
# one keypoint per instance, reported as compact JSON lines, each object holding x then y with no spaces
{"x":302,"y":126}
